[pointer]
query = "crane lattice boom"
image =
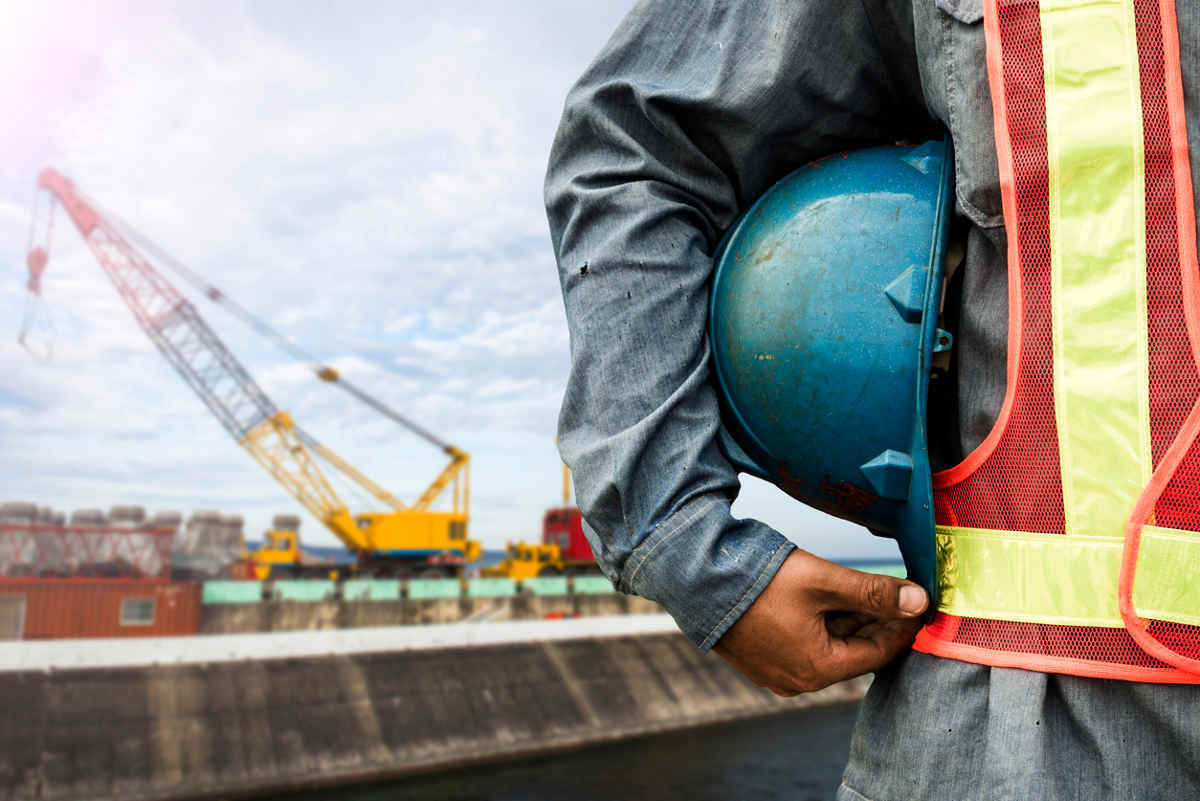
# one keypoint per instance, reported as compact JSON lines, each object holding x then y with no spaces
{"x":235,"y":399}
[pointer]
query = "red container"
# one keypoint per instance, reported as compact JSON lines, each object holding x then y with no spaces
{"x":48,"y":609}
{"x":563,"y":526}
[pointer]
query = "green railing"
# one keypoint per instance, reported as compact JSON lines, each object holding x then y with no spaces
{"x":545,"y":585}
{"x":309,"y":590}
{"x":431,"y":589}
{"x":371,"y":590}
{"x":313,"y":590}
{"x":491,"y":588}
{"x":592,"y":585}
{"x":232,"y":592}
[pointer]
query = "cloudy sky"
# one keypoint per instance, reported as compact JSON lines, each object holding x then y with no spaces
{"x":365,"y":177}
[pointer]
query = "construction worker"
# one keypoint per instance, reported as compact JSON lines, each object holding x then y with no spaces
{"x":1071,"y":124}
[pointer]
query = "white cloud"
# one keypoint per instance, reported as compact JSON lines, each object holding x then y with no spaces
{"x":401,"y":324}
{"x":507,"y":386}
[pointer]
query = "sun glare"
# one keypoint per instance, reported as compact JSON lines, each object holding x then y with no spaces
{"x":48,"y":55}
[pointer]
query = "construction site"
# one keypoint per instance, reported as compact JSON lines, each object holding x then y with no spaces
{"x":282,"y":513}
{"x":407,"y":649}
{"x":126,"y":575}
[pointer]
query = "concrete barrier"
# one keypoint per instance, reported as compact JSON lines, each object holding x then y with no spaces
{"x":302,"y":615}
{"x":375,"y":613}
{"x":232,"y":726}
{"x":232,"y":607}
{"x":371,"y":590}
{"x":250,"y":618}
{"x":234,"y":618}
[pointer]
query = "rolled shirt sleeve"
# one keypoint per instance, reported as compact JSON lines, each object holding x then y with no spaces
{"x":691,"y":111}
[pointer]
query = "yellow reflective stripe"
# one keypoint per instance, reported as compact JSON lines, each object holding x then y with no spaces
{"x":1167,"y":571}
{"x":1097,"y":229}
{"x":1068,"y":580}
{"x":1039,"y":578}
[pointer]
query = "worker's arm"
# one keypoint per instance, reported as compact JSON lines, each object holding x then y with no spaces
{"x":690,"y":112}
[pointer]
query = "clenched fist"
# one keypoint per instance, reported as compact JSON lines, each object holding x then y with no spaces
{"x":818,"y":623}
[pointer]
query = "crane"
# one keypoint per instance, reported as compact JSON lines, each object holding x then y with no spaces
{"x":396,"y":541}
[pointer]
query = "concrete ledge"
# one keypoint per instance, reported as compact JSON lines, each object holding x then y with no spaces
{"x":211,"y":649}
{"x":229,"y":726}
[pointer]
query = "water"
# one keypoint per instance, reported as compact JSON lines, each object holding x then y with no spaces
{"x":794,"y":756}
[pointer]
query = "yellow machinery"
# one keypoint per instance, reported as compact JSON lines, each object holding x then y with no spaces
{"x":563,"y":550}
{"x":397,"y":540}
{"x":523,"y":560}
{"x":280,"y":555}
{"x":403,"y":540}
{"x":279,"y":550}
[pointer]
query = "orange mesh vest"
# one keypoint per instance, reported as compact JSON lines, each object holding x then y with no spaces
{"x":1069,"y":541}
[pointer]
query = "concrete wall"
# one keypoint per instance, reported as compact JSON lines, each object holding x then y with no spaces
{"x":227,"y":728}
{"x":248,"y":618}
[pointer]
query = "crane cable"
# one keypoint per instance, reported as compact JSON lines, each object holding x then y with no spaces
{"x":322,"y":371}
{"x":36,"y":308}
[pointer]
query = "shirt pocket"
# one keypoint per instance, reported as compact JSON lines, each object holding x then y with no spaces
{"x":968,"y":11}
{"x":969,"y":110}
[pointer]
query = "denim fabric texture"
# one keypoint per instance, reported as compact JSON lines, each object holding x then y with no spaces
{"x":942,"y":730}
{"x":691,"y":111}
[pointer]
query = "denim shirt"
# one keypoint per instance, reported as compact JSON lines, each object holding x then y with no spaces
{"x":690,"y":112}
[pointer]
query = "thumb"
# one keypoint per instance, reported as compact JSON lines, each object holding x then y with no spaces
{"x":849,"y":590}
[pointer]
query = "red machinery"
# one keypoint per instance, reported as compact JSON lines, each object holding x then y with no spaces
{"x":564,"y":527}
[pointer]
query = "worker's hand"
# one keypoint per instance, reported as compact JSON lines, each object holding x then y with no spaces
{"x":818,"y":623}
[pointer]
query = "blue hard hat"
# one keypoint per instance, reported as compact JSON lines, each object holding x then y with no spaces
{"x":823,"y":324}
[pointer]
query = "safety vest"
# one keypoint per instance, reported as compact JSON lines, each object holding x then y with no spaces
{"x":1069,"y":540}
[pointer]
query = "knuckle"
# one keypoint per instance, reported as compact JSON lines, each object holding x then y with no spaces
{"x":875,"y":591}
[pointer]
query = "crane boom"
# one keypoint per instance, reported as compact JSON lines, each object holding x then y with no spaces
{"x":216,"y":376}
{"x":322,"y":371}
{"x":176,"y":328}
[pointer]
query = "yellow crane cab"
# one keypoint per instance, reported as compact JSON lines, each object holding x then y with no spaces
{"x":279,"y":548}
{"x":524,"y":560}
{"x":280,"y":556}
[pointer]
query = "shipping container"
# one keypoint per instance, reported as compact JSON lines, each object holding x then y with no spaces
{"x":49,"y":609}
